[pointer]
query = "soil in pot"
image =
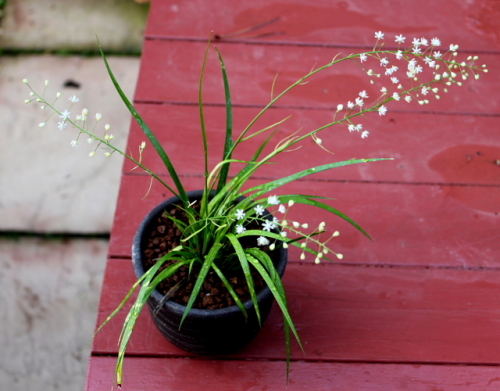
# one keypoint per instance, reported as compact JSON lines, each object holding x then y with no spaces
{"x":163,"y":236}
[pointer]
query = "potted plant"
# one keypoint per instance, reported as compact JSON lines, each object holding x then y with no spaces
{"x":219,"y":253}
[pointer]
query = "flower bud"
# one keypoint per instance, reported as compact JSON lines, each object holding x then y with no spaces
{"x":107,"y":127}
{"x":25,"y":81}
{"x":91,"y":154}
{"x":46,"y":83}
{"x":98,"y":116}
{"x":41,"y":124}
{"x":58,"y":95}
{"x":340,"y":256}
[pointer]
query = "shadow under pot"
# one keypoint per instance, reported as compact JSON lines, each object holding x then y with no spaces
{"x":204,"y":331}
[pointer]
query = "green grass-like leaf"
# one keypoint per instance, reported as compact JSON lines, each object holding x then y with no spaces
{"x":181,"y":193}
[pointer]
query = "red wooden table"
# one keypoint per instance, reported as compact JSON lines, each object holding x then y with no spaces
{"x":418,"y":308}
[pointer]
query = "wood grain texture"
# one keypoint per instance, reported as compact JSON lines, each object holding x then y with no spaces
{"x":475,"y":24}
{"x":427,"y":148}
{"x":349,"y":313}
{"x":173,"y":69}
{"x":167,"y":374}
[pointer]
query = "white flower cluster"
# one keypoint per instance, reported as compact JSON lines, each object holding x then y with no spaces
{"x":421,"y":55}
{"x":294,"y":227}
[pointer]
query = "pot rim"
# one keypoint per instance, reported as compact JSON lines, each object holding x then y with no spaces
{"x":177,"y":308}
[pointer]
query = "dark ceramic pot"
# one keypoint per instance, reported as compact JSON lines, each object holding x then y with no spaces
{"x":211,"y":332}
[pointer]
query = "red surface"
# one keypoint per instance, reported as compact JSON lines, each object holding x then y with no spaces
{"x":162,"y":374}
{"x":416,"y":309}
{"x":474,"y":24}
{"x":173,"y":76}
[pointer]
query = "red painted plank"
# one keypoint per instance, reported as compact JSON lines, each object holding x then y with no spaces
{"x":451,"y":149}
{"x":352,"y":313}
{"x":170,"y":72}
{"x":410,"y":224}
{"x":474,"y":24}
{"x":164,"y":374}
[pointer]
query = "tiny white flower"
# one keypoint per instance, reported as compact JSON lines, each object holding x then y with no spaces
{"x":359,"y":101}
{"x":350,"y":104}
{"x":259,"y":210}
{"x":382,"y":110}
{"x":273,"y":200}
{"x":90,"y":140}
{"x":107,"y":127}
{"x":364,"y":134}
{"x":400,"y":38}
{"x":399,"y":55}
{"x":425,"y":90}
{"x":240,"y":229}
{"x":85,"y":112}
{"x":424,"y":42}
{"x":282,"y":209}
{"x":262,"y":241}
{"x":416,"y":50}
{"x":416,"y":42}
{"x":383,"y":90}
{"x":73,"y":143}
{"x":65,"y":115}
{"x":363,"y":57}
{"x":395,"y":80}
{"x":379,"y":35}
{"x":384,"y":61}
{"x":240,"y":214}
{"x":340,"y":107}
{"x":74,"y":99}
{"x":363,"y":94}
{"x":268,"y":225}
{"x":283,"y":234}
{"x":359,"y":127}
{"x":395,"y":96}
{"x":453,"y":47}
{"x":435,"y":42}
{"x":62,"y":125}
{"x":408,"y":98}
{"x":437,"y":55}
{"x":351,"y":128}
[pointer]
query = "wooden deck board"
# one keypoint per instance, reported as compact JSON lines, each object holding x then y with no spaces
{"x":165,"y":374}
{"x":410,"y":224}
{"x":349,"y":313}
{"x":173,"y":71}
{"x":416,"y":309}
{"x":474,"y":25}
{"x":450,"y":149}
